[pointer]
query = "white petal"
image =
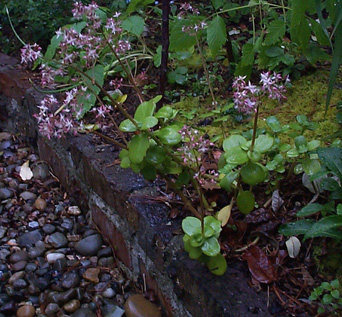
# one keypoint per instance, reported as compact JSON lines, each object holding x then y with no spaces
{"x":25,"y":171}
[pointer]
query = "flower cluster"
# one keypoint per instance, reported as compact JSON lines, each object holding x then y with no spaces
{"x":188,"y":7}
{"x":193,"y":148}
{"x":79,"y":48}
{"x":193,"y":29}
{"x":30,"y":53}
{"x":247,"y":95}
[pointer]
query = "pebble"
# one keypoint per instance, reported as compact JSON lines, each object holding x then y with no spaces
{"x":72,"y":306}
{"x":26,"y":195}
{"x":18,"y":266}
{"x":33,"y":225}
{"x":116,"y":311}
{"x":19,"y":284}
{"x":108,"y":293}
{"x":138,"y":306}
{"x":40,"y":204}
{"x":53,"y":257}
{"x":5,"y":193}
{"x":4,"y":254}
{"x":58,"y":240}
{"x":16,"y":276}
{"x":92,"y":275}
{"x":29,"y":238}
{"x":74,"y":210}
{"x":51,"y":309}
{"x":41,"y":171}
{"x":26,"y":311}
{"x":70,"y":280}
{"x":83,"y":312}
{"x":89,"y":245}
{"x":3,"y":231}
{"x":19,"y":256}
{"x":48,"y":228}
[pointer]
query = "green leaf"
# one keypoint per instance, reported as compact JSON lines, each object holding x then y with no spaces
{"x":127,"y":126}
{"x":245,"y":201}
{"x":191,"y":225}
{"x":322,"y":37}
{"x":125,"y":162}
{"x":97,"y":75}
{"x":274,"y":51}
{"x":301,"y":144}
{"x":233,"y":141}
{"x":313,"y":145}
{"x":274,"y":124}
{"x":329,"y":184}
{"x":155,"y":154}
{"x":335,"y":293}
{"x":216,"y":34}
{"x":212,"y":226}
{"x":263,"y":143}
{"x":169,"y":135}
{"x":227,"y":181}
{"x":134,"y":24}
{"x":217,"y":264}
{"x":211,"y":247}
{"x":51,"y":49}
{"x":247,"y":58}
{"x":275,"y":32}
{"x":327,"y":299}
{"x":149,"y":122}
{"x":149,"y":172}
{"x":137,"y":148}
{"x":326,"y":227}
{"x":196,"y":240}
{"x":180,"y":40}
{"x":134,"y":4}
{"x":165,"y":112}
{"x":144,"y":110}
{"x":311,"y":166}
{"x":295,"y":228}
{"x":310,"y":210}
{"x":236,"y":156}
{"x":332,"y":159}
{"x":252,"y":173}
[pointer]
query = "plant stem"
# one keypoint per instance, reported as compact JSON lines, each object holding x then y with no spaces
{"x":255,"y":128}
{"x":206,"y":71}
{"x":110,"y":140}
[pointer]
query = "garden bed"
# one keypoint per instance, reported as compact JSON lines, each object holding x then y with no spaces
{"x":131,"y":214}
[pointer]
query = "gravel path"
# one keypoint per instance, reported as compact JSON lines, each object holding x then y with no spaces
{"x":52,"y":263}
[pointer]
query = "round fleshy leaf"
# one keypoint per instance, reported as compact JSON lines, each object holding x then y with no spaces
{"x":233,"y":141}
{"x":254,"y":156}
{"x":165,"y":112}
{"x":252,"y":173}
{"x":149,"y":172}
{"x":212,"y":226}
{"x":148,"y":123}
{"x":274,"y":124}
{"x":169,"y":135}
{"x":227,"y":181}
{"x":125,"y":162}
{"x":245,"y":201}
{"x":236,"y":156}
{"x":211,"y":247}
{"x":144,"y":110}
{"x":127,"y":126}
{"x":155,"y":154}
{"x":137,"y":148}
{"x":191,"y":225}
{"x":217,"y":264}
{"x":263,"y":143}
{"x":196,"y":240}
{"x":301,"y":144}
{"x":310,"y":166}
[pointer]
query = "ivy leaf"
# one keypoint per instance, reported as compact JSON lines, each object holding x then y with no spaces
{"x":216,"y":34}
{"x":138,"y":147}
{"x":134,"y":24}
{"x":276,"y":31}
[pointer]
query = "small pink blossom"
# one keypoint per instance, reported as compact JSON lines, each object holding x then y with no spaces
{"x":30,"y":53}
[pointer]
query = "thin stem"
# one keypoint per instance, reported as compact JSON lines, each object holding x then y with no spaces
{"x":186,"y":201}
{"x":255,"y":127}
{"x":110,"y":140}
{"x":205,"y":71}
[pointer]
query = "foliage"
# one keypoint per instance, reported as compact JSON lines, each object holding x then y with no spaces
{"x":329,"y":296}
{"x":200,"y":241}
{"x":328,"y":179}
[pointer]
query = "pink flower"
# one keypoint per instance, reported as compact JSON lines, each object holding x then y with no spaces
{"x":30,"y":53}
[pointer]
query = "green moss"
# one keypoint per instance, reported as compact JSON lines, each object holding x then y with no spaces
{"x":307,"y":96}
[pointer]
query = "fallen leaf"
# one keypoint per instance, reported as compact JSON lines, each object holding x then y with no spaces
{"x":25,"y":171}
{"x":277,"y":201}
{"x":259,"y":264}
{"x":224,"y":214}
{"x":293,"y":247}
